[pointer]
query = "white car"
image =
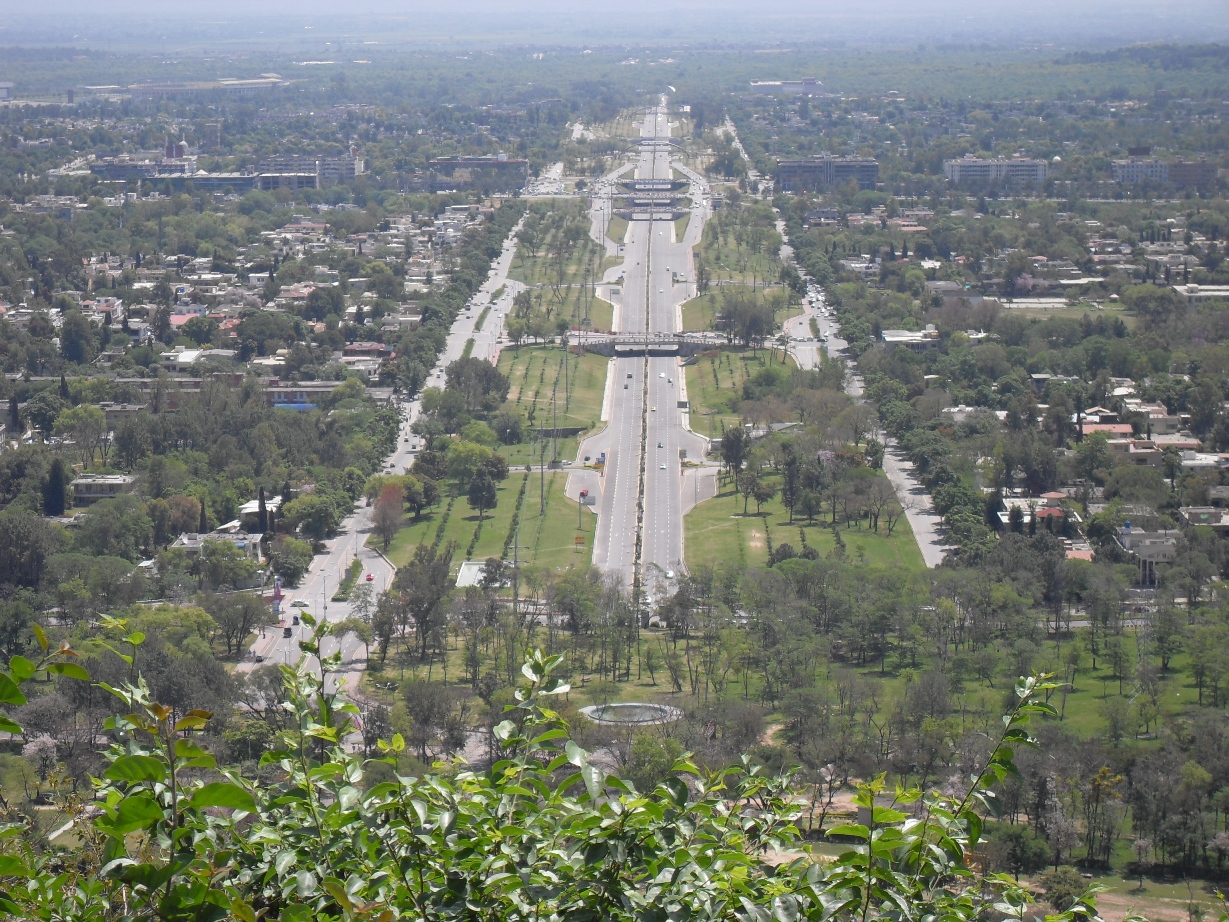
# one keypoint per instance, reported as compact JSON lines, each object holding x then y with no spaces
{"x":661,"y":467}
{"x":669,"y":574}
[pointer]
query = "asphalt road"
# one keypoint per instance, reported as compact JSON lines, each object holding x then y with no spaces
{"x":329,"y":566}
{"x":647,"y":431}
{"x":927,"y":525}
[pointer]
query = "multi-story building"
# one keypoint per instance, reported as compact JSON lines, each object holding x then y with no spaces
{"x":807,"y":86}
{"x":1137,"y":170}
{"x":90,"y":488}
{"x":1014,"y":170}
{"x":331,"y":170}
{"x":1193,"y":174}
{"x":825,"y":172}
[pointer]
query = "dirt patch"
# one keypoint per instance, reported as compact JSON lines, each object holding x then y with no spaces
{"x":1114,"y":907}
{"x":756,"y":540}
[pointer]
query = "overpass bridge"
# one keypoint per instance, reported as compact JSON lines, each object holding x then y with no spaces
{"x":629,"y":344}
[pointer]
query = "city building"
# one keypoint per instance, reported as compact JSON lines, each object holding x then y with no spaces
{"x":825,"y":171}
{"x":6,"y":90}
{"x":1015,"y":170}
{"x":329,"y":170}
{"x":192,"y":88}
{"x":807,"y":86}
{"x":913,"y":340}
{"x":1137,"y":170}
{"x":1202,"y":294}
{"x":90,"y":488}
{"x":1192,"y":174}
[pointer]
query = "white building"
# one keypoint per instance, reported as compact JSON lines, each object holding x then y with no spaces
{"x":1000,"y":169}
{"x":1138,"y":170}
{"x":1202,"y":294}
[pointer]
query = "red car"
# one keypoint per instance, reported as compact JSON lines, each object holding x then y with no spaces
{"x":370,"y":577}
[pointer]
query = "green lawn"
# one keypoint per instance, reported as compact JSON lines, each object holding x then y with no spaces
{"x":616,"y":230}
{"x":714,"y":378}
{"x":535,"y":372}
{"x":680,"y":226}
{"x":700,"y":313}
{"x":545,"y":541}
{"x":717,"y":530}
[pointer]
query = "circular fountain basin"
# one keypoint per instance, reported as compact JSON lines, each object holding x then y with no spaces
{"x":632,"y":714}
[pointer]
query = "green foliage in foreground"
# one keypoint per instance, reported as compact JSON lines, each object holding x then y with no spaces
{"x":543,"y":834}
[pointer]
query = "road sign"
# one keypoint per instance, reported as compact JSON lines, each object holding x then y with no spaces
{"x":580,"y":540}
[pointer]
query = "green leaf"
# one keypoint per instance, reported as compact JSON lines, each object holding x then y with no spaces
{"x":223,"y":794}
{"x":135,"y":812}
{"x":9,"y":692}
{"x":285,"y":858}
{"x":20,"y":668}
{"x":886,"y":815}
{"x":853,"y":830}
{"x":69,"y":670}
{"x":785,"y":908}
{"x":13,"y":867}
{"x":134,"y":768}
{"x":196,"y":756}
{"x":9,"y":726}
{"x":40,"y":635}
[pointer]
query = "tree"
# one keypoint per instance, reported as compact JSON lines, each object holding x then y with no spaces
{"x":87,"y":427}
{"x":447,"y":830}
{"x":237,"y":615}
{"x":43,"y":409}
{"x":224,"y":564}
{"x":315,"y":515}
{"x":55,"y":488}
{"x":362,"y":600}
{"x":290,"y":558}
{"x":77,"y":338}
{"x":762,"y":493}
{"x":421,"y":587}
{"x":735,"y":449}
{"x":386,"y":515}
{"x":482,"y":495}
{"x":465,"y":459}
{"x":200,"y":329}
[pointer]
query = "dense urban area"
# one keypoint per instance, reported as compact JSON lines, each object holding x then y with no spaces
{"x":647,"y":482}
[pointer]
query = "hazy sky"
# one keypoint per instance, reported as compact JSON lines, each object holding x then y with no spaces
{"x":149,"y":23}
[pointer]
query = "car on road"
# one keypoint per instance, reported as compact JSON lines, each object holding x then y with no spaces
{"x":286,"y":632}
{"x":662,"y":466}
{"x":659,"y":445}
{"x":298,"y":603}
{"x":259,"y":658}
{"x":661,"y":374}
{"x":624,"y":387}
{"x":652,"y":409}
{"x":659,"y":290}
{"x":669,"y":574}
{"x":370,"y":577}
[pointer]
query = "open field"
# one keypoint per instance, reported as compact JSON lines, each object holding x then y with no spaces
{"x":713,"y":379}
{"x":536,"y":373}
{"x":545,"y":540}
{"x":717,"y":530}
{"x":616,"y":230}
